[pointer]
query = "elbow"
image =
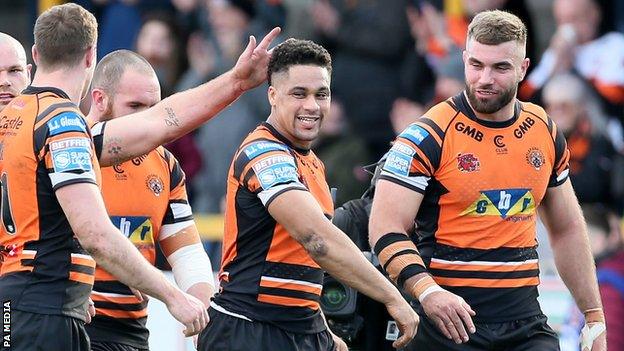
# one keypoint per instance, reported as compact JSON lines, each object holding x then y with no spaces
{"x":315,"y":245}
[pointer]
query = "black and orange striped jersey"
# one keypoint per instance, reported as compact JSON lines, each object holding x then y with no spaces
{"x":266,"y":274}
{"x":45,"y":144}
{"x":482,"y":182}
{"x":146,"y":199}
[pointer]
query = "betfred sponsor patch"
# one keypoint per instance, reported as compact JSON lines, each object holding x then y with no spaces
{"x":71,"y":154}
{"x":278,"y":169}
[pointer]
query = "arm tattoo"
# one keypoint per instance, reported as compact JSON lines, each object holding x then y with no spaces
{"x":114,"y":149}
{"x":315,"y":245}
{"x":171,"y":119}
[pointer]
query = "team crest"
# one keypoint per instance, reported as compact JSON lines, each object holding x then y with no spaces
{"x":535,"y":158}
{"x":155,"y":184}
{"x":468,"y":163}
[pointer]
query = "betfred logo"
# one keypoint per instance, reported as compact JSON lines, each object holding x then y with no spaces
{"x":468,"y":163}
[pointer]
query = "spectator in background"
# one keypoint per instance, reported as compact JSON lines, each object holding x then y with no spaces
{"x":577,"y":47}
{"x":595,"y":166}
{"x":344,"y":155}
{"x":369,"y":41}
{"x":158,"y":43}
{"x":209,"y":55}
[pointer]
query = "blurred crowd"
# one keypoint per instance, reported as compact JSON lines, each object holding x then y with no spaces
{"x":392,"y":60}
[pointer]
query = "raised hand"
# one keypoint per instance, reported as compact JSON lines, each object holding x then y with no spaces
{"x":251,"y":68}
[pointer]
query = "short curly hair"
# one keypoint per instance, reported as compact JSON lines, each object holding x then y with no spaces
{"x":298,"y":52}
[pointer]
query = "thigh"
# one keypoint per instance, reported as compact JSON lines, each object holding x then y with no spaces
{"x":34,"y":332}
{"x":429,"y":338}
{"x":531,"y":334}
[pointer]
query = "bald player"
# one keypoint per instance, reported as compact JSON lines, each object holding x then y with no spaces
{"x":146,"y":199}
{"x":14,"y":71}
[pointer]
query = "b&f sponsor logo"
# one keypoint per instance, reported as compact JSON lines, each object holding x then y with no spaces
{"x":6,"y":324}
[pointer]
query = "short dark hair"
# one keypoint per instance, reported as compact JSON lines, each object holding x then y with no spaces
{"x":63,"y":34}
{"x":111,"y":68}
{"x":496,"y":27}
{"x":298,"y":52}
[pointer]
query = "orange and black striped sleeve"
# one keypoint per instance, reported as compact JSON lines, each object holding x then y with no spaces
{"x":179,"y":214}
{"x":415,"y":155}
{"x":267,"y":169}
{"x":561,"y":166}
{"x":64,"y":143}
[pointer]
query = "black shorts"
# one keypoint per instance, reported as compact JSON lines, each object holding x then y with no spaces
{"x":530,"y":334}
{"x":46,"y":332}
{"x":112,"y":346}
{"x":228,"y":333}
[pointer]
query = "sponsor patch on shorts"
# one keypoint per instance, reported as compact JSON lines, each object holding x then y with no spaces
{"x":278,"y":169}
{"x":66,"y":122}
{"x":71,"y":154}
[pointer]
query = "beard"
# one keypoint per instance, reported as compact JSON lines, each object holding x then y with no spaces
{"x":493,"y":105}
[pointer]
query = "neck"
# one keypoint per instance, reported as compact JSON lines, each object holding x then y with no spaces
{"x":272,"y":120}
{"x":70,"y":81}
{"x":504,"y":114}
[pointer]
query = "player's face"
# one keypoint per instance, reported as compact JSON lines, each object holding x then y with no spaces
{"x":300,"y":99}
{"x":565,"y":112}
{"x":14,"y":72}
{"x":135,"y":92}
{"x":493,"y":73}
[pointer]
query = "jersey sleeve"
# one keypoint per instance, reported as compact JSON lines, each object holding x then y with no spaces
{"x":413,"y":158}
{"x":267,"y":169}
{"x":179,"y":214}
{"x":68,"y":150}
{"x":97,"y":130}
{"x":561,"y":166}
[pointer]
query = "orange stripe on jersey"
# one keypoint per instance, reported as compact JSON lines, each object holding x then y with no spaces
{"x":81,"y":278}
{"x":121,"y":314}
{"x":487,"y":283}
{"x":288,"y":301}
{"x":103,"y":275}
{"x":95,"y":296}
{"x":431,"y":132}
{"x":290,"y":286}
{"x":484,"y":268}
{"x":13,"y":265}
{"x":83,"y":261}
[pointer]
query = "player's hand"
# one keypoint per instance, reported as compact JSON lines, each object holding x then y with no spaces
{"x":406,"y":320}
{"x":594,"y":337}
{"x":339,"y":344}
{"x":189,"y":311}
{"x":451,"y":314}
{"x":90,"y":311}
{"x":251,"y":68}
{"x":139,"y":295}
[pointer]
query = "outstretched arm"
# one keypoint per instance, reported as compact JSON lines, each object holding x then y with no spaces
{"x":302,"y":217}
{"x":562,"y":215}
{"x":136,"y":134}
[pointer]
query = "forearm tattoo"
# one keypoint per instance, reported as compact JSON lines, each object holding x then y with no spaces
{"x":171,"y":119}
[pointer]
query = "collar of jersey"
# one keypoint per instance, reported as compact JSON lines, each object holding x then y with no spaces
{"x":283,"y":139}
{"x":38,"y":90}
{"x":461,"y":104}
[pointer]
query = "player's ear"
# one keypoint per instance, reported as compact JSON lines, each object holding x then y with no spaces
{"x":271,"y":93}
{"x":99,"y":100}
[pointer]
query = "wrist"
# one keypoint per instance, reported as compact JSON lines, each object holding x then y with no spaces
{"x":424,"y":287}
{"x":594,"y":315}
